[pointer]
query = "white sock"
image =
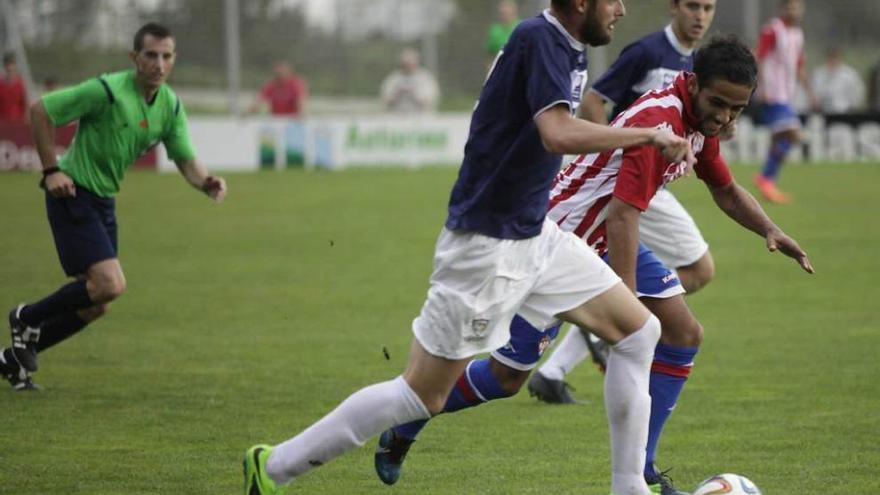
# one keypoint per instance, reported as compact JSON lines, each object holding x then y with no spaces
{"x":628,"y":404}
{"x":362,"y":415}
{"x":569,"y":353}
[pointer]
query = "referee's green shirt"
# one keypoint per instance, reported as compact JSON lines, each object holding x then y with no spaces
{"x":116,"y":126}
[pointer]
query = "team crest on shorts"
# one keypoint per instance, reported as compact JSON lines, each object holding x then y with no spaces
{"x":479,"y":326}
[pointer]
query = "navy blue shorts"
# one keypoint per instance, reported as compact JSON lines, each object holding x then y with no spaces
{"x":527,"y":343}
{"x":84,"y":228}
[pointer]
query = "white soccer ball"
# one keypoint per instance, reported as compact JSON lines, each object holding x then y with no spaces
{"x":729,"y":484}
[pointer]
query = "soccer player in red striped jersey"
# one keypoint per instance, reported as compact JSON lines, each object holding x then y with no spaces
{"x":780,"y":53}
{"x":600,"y":196}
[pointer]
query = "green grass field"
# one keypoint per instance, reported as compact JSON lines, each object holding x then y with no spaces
{"x":245,"y":322}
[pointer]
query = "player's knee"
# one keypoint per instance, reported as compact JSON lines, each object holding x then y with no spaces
{"x":107,"y":288}
{"x":641,"y":342}
{"x":698,"y":275}
{"x":693,"y":335}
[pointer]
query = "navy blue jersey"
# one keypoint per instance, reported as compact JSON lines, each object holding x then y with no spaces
{"x":650,"y":63}
{"x":503,"y":185}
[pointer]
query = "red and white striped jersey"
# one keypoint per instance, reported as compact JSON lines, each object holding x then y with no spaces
{"x":780,"y":54}
{"x":582,"y":190}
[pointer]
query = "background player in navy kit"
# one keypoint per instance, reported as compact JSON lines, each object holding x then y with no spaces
{"x":498,"y":256}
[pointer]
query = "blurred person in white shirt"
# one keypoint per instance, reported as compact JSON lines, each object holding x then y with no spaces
{"x":411,"y":88}
{"x":838,"y":87}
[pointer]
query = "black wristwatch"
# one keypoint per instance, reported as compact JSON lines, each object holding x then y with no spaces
{"x":49,"y":171}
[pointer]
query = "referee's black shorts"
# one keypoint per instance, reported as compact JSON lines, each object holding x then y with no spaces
{"x":84,"y":228}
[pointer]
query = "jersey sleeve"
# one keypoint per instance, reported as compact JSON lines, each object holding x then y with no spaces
{"x":548,"y":75}
{"x":624,"y":73}
{"x":176,"y":140}
{"x":83,"y":100}
{"x":766,"y":42}
{"x":637,"y":181}
{"x":711,"y":166}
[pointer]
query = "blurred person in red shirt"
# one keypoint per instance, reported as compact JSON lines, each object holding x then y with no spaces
{"x":13,"y":95}
{"x":285,"y":94}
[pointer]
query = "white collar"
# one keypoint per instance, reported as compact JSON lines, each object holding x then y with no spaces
{"x":577,"y":45}
{"x":673,"y":40}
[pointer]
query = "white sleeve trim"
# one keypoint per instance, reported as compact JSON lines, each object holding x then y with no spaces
{"x":551,"y":105}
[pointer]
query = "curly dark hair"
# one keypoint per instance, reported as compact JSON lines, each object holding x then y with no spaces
{"x":728,"y":58}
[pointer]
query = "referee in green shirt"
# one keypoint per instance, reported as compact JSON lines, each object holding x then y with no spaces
{"x":508,"y":18}
{"x":121,"y":115}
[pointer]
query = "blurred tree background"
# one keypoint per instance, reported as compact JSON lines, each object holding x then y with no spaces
{"x":345,"y":47}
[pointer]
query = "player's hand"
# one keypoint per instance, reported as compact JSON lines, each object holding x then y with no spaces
{"x":60,"y":185}
{"x":778,"y":241}
{"x":215,"y":187}
{"x":728,"y":131}
{"x":674,"y":148}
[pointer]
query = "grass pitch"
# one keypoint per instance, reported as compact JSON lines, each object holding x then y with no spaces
{"x":245,"y":322}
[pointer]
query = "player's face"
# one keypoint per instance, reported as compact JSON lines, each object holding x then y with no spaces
{"x":600,"y":17}
{"x":154,"y":62}
{"x":692,"y":18}
{"x":793,"y":11}
{"x":718,"y":103}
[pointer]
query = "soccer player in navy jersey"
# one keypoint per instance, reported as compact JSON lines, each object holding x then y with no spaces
{"x":599,"y":197}
{"x":498,"y":256}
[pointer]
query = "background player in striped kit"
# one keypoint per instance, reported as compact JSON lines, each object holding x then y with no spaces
{"x":780,"y":53}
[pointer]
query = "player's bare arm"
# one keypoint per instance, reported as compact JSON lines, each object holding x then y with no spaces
{"x":593,"y":108}
{"x":741,"y":206}
{"x":563,"y":134}
{"x":56,"y":182}
{"x":622,"y":231}
{"x":198,"y":177}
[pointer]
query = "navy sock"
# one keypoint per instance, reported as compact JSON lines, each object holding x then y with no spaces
{"x":475,"y":386}
{"x":59,"y":328}
{"x":71,"y":297}
{"x":671,"y":367}
{"x":775,"y":158}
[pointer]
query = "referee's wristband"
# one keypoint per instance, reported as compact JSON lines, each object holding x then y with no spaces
{"x":49,"y":171}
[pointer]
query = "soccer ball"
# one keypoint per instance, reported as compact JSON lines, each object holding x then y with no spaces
{"x":730,"y":484}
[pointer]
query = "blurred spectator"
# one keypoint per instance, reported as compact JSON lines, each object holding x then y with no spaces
{"x":13,"y":95}
{"x":410,"y":88}
{"x":285,"y":94}
{"x":508,"y":18}
{"x":838,"y":87}
{"x":874,"y":88}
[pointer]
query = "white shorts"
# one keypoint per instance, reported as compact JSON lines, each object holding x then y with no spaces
{"x":479,"y":283}
{"x":668,"y":230}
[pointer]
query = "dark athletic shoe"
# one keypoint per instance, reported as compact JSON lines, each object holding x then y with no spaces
{"x":18,"y":377}
{"x":550,"y":391}
{"x":24,"y":340}
{"x":661,"y":483}
{"x":389,"y":456}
